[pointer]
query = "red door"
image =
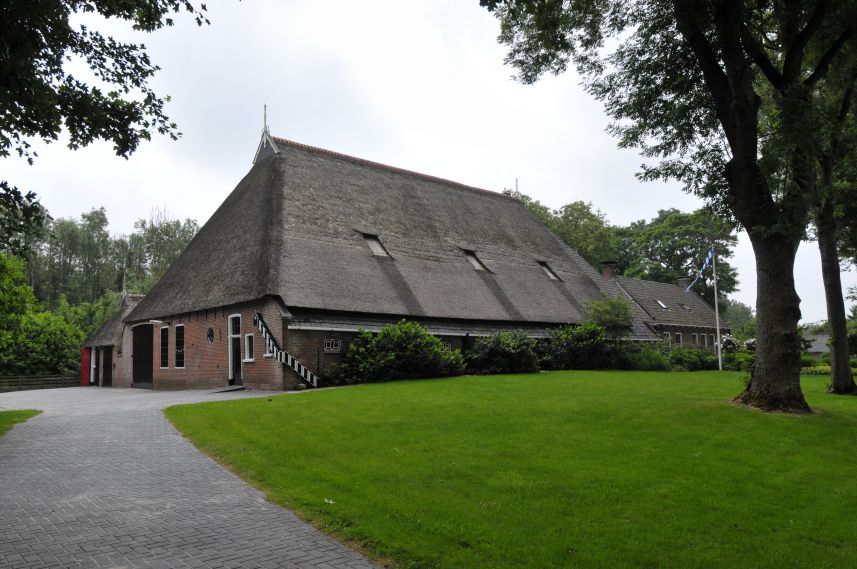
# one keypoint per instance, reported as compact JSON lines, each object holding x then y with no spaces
{"x":85,"y":360}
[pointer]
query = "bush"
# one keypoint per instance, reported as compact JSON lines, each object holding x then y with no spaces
{"x":42,"y":344}
{"x":399,"y":351}
{"x":750,"y":344}
{"x":729,"y":344}
{"x":809,"y":360}
{"x":738,"y":361}
{"x":504,"y":352}
{"x":613,"y":314}
{"x":821,"y":370}
{"x":650,"y":359}
{"x":577,"y":347}
{"x":692,"y":359}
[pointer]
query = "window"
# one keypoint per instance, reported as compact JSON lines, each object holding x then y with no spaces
{"x":332,"y":345}
{"x":249,"y":353}
{"x":713,"y":342}
{"x":662,"y":305}
{"x":685,"y":307}
{"x":180,"y":345}
{"x":210,"y":336}
{"x":695,"y":339}
{"x":549,"y":272}
{"x":375,"y":245}
{"x":667,"y":336}
{"x":705,"y":340}
{"x":678,"y":338}
{"x":165,"y":347}
{"x":474,"y":260}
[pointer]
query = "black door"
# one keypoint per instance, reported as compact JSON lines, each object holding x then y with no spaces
{"x":107,"y":368}
{"x":142,"y":355}
{"x":235,"y":346}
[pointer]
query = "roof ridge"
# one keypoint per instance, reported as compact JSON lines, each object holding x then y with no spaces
{"x":387,"y":167}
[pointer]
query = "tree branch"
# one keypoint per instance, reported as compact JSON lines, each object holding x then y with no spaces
{"x":794,"y":55}
{"x":828,"y":57}
{"x":757,"y":54}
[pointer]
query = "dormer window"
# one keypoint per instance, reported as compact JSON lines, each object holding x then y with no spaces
{"x":662,"y":305}
{"x":375,"y":245}
{"x":549,"y":272}
{"x":474,"y":260}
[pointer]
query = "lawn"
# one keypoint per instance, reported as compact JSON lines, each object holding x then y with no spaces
{"x":564,"y":469}
{"x":9,"y":419}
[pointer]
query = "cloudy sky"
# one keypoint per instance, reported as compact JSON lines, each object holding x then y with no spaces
{"x":419,"y":85}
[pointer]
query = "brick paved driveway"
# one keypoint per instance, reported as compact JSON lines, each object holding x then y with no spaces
{"x":101,"y":479}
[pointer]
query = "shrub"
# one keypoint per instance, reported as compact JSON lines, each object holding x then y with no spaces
{"x":398,"y":351}
{"x":577,"y":347}
{"x":612,"y":314}
{"x":809,"y":360}
{"x":750,"y":344}
{"x":692,"y":359}
{"x":729,"y":344}
{"x":504,"y":352}
{"x":43,"y":343}
{"x":738,"y":361}
{"x":650,"y":359}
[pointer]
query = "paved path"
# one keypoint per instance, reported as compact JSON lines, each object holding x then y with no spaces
{"x":101,"y":479}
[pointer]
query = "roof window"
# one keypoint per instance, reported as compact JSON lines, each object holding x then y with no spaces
{"x":474,"y":260}
{"x":662,"y":305}
{"x":375,"y":245}
{"x":548,"y":271}
{"x":685,"y":307}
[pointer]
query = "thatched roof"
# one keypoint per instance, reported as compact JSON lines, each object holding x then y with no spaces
{"x":110,"y":334}
{"x":295,"y":228}
{"x":668,"y":304}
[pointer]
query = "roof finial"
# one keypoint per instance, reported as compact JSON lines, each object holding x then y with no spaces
{"x":265,"y":112}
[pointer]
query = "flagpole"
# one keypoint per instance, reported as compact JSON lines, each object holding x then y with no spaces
{"x":716,"y":312}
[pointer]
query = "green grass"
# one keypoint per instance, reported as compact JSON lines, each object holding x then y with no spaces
{"x":566,"y":469}
{"x":9,"y":419}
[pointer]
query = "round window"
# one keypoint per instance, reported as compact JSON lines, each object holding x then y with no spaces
{"x":210,"y":336}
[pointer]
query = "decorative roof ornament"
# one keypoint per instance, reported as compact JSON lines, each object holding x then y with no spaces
{"x":267,"y":146}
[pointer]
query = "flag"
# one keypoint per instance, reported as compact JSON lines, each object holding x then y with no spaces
{"x":702,"y":270}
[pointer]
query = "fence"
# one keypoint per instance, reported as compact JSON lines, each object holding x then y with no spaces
{"x":45,"y":382}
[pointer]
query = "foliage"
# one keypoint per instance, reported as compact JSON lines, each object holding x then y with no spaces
{"x":42,"y":98}
{"x":446,"y":473}
{"x":44,"y":343}
{"x":649,"y":359}
{"x":16,"y":298}
{"x":583,"y":346}
{"x":821,"y":370}
{"x":740,"y":317}
{"x":738,"y":361}
{"x":729,"y":344}
{"x":613,"y":314}
{"x":809,"y":360}
{"x":504,"y":352}
{"x":89,"y":316}
{"x":404,"y":350}
{"x":750,"y":344}
{"x":692,"y":359}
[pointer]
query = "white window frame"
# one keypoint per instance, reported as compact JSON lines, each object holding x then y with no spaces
{"x":176,"y":347}
{"x":695,"y":339}
{"x":229,"y":336}
{"x":161,"y":348}
{"x":678,"y":338}
{"x":662,"y":305}
{"x":332,"y":346}
{"x":713,"y":340}
{"x":705,"y":340}
{"x":249,"y":348}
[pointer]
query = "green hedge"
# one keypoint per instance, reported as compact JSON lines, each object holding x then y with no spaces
{"x":504,"y":352}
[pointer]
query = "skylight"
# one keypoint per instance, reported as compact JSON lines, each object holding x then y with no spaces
{"x":474,"y":260}
{"x":662,"y":305}
{"x":375,"y":245}
{"x":686,"y":307}
{"x":548,"y":271}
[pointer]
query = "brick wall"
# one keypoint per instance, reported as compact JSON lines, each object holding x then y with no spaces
{"x":206,"y":365}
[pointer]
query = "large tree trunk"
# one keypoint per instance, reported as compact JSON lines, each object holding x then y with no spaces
{"x":775,"y":381}
{"x":841,"y":379}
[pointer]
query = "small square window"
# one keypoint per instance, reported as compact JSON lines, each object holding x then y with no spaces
{"x":332,"y":345}
{"x":548,"y":271}
{"x":375,"y":245}
{"x":249,"y":353}
{"x":474,"y":260}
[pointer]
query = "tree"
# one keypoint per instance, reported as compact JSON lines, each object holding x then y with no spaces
{"x":740,"y":318}
{"x":674,"y":244}
{"x":613,"y":315}
{"x":40,"y":97}
{"x":684,"y":81}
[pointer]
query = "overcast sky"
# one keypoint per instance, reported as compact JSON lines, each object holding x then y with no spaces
{"x":419,"y":85}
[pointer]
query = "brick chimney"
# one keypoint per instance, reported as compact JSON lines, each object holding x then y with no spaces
{"x":609,"y":269}
{"x":684,"y":282}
